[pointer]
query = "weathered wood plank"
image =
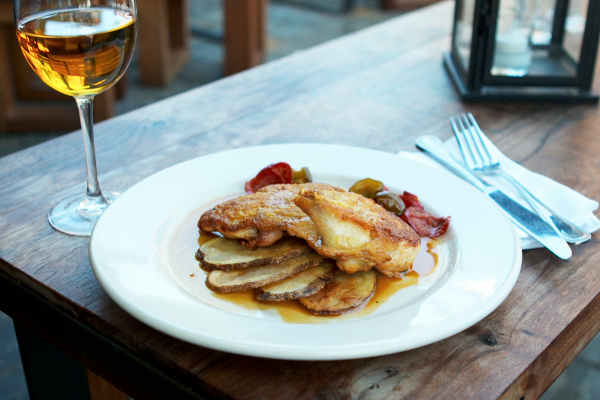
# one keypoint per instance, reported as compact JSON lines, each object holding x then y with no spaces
{"x":532,"y":383}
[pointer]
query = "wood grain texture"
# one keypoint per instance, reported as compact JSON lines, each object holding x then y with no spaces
{"x":379,"y":88}
{"x":557,"y":356}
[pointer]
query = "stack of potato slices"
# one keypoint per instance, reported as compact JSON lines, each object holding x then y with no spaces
{"x":286,"y":270}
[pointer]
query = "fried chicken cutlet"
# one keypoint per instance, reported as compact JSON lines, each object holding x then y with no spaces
{"x":262,"y":218}
{"x":358,"y":233}
{"x":355,"y":231}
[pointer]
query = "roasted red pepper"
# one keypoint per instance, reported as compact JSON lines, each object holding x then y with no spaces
{"x":272,"y":174}
{"x":424,"y":223}
{"x":411,"y":200}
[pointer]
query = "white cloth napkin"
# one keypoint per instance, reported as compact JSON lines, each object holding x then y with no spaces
{"x":568,"y":203}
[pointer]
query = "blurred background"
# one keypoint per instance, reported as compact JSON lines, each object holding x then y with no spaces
{"x":198,"y":42}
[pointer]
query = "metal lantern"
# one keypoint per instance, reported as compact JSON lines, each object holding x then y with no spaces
{"x":525,"y":50}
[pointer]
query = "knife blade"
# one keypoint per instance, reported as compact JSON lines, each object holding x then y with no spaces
{"x":519,"y":215}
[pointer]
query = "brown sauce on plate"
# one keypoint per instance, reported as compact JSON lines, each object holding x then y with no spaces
{"x":205,"y":237}
{"x":292,"y":311}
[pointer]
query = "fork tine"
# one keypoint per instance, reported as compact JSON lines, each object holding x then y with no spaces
{"x":470,"y":144}
{"x":482,"y":138}
{"x":464,"y":146}
{"x":476,"y":141}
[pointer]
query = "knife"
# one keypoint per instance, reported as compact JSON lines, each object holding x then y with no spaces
{"x":519,"y":215}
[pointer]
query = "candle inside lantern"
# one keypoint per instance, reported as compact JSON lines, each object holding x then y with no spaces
{"x":512,"y":55}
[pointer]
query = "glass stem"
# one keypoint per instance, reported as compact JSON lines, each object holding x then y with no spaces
{"x":94,"y":202}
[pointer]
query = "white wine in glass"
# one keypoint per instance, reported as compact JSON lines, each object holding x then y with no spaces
{"x":79,"y":48}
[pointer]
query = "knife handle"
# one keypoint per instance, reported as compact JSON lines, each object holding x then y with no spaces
{"x":435,"y":147}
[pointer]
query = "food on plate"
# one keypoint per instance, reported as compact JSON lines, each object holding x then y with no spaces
{"x":302,"y":176}
{"x":353,"y":230}
{"x":289,"y":238}
{"x":262,"y":218}
{"x":226,"y":254}
{"x":407,"y":206}
{"x":424,"y":223}
{"x":295,"y":188}
{"x":391,"y":202}
{"x":271,"y":174}
{"x":367,"y":187}
{"x":358,"y":233}
{"x":344,"y":292}
{"x":255,"y":277}
{"x":277,"y":173}
{"x":301,"y":285}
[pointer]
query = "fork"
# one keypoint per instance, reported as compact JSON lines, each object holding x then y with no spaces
{"x":479,"y":158}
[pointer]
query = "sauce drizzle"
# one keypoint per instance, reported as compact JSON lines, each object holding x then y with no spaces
{"x":292,"y":311}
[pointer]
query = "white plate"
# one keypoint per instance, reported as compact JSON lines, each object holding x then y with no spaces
{"x":152,"y":227}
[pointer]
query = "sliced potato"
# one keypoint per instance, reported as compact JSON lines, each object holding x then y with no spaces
{"x":228,"y":254}
{"x":301,"y":285}
{"x":254,"y":277}
{"x":344,"y":292}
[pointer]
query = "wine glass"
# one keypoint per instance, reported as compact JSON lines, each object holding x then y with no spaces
{"x":79,"y":48}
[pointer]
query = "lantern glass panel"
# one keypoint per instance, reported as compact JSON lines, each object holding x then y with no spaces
{"x":543,"y":21}
{"x":513,"y":53}
{"x":539,"y":38}
{"x":464,"y":31}
{"x":574,"y":28}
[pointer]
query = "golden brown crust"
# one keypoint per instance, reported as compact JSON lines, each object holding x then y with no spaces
{"x":358,"y":233}
{"x":262,"y":218}
{"x":295,"y":188}
{"x":355,"y":231}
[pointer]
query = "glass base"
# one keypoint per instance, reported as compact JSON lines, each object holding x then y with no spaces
{"x":77,"y":215}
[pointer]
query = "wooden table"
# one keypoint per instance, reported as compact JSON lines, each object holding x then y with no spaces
{"x":379,"y":88}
